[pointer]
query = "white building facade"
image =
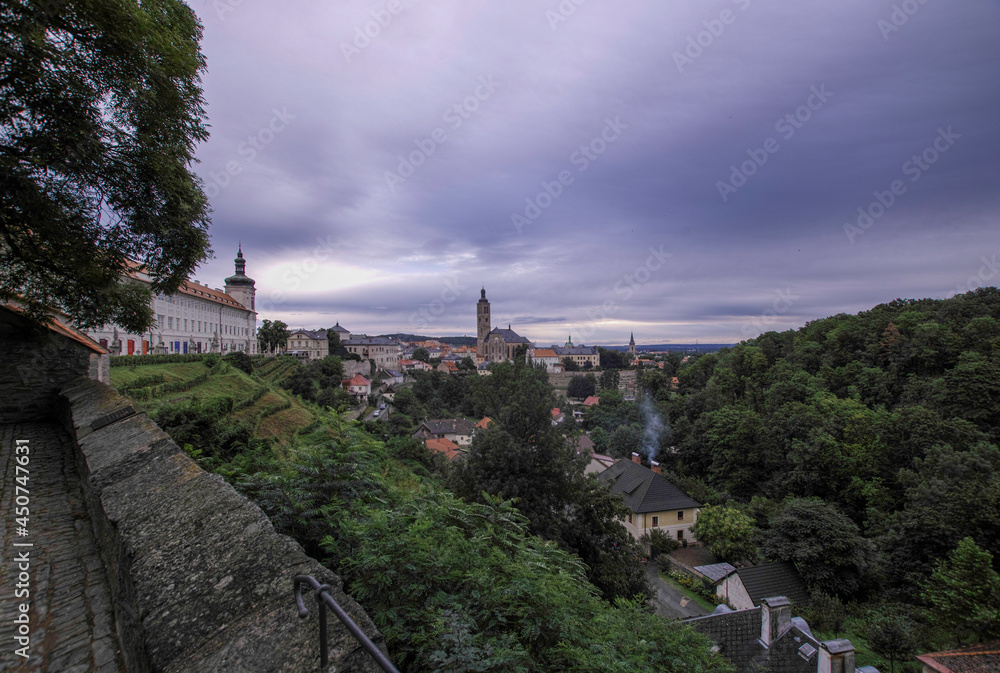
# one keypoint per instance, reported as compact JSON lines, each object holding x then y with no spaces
{"x":195,"y":319}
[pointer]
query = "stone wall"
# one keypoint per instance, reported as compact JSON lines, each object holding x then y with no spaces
{"x":35,"y":363}
{"x":352,"y":367}
{"x":200,"y":579}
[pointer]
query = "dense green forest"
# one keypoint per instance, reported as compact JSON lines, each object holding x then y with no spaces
{"x":515,"y":562}
{"x":861,"y":447}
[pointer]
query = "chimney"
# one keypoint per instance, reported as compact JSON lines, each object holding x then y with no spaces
{"x":635,"y":458}
{"x":775,"y":619}
{"x":655,"y":467}
{"x":836,"y":656}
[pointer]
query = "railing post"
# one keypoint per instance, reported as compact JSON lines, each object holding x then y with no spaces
{"x":325,"y":600}
{"x":324,"y":642}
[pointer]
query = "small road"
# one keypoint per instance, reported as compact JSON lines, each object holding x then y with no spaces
{"x":670,"y":602}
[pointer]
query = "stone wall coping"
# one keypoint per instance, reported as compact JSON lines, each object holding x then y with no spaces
{"x":200,"y":578}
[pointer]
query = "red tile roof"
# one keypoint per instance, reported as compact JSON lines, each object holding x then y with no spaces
{"x":591,"y":401}
{"x":357,"y":380}
{"x":983,"y":658}
{"x":190,"y":287}
{"x":449,"y":448}
{"x":59,"y":325}
{"x":485,"y":422}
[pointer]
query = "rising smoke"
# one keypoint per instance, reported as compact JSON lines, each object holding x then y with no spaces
{"x":655,"y":430}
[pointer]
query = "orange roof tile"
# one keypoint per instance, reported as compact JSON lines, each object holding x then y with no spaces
{"x":357,"y":380}
{"x":449,"y":448}
{"x":190,"y":287}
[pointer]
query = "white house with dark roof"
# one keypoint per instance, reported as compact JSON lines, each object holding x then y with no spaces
{"x":385,"y":351}
{"x":308,"y":344}
{"x":744,"y":588}
{"x":656,"y":504}
{"x":458,"y":430}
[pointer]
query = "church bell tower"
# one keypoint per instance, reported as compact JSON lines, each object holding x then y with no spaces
{"x":482,"y":323}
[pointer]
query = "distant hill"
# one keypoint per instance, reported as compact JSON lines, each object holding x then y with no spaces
{"x":684,"y":348}
{"x":450,"y":340}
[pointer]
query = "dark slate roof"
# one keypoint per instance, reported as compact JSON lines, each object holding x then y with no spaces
{"x":737,"y":635}
{"x":371,"y":341}
{"x":774,"y":579}
{"x":716,"y":571}
{"x":311,"y":333}
{"x":575,"y":350}
{"x":510,"y":336}
{"x":339,"y":329}
{"x":450,"y":426}
{"x":642,"y":489}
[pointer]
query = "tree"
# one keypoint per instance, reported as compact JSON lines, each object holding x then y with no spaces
{"x":102,"y":109}
{"x":891,"y":637}
{"x":570,"y":365}
{"x":333,"y":340}
{"x":272,"y":335}
{"x":422,"y":354}
{"x":964,"y":593}
{"x":727,"y":532}
{"x":825,"y":546}
{"x":625,"y":440}
{"x":522,"y":456}
{"x":601,"y":439}
{"x":610,"y":359}
{"x":610,"y":379}
{"x":466,"y":364}
{"x":581,"y":386}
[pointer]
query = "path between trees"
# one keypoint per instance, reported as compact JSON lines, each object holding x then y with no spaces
{"x":670,"y":603}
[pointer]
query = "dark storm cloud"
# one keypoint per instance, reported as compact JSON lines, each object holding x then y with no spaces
{"x":407,"y":156}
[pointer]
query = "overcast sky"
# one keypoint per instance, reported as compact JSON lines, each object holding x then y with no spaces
{"x":683,"y":170}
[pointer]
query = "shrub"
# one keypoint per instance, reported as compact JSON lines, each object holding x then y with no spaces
{"x":211,"y":360}
{"x":659,"y":542}
{"x":241,"y":361}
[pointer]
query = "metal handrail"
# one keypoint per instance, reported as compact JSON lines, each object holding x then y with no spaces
{"x":324,"y":599}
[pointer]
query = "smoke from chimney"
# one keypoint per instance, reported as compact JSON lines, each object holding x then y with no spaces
{"x":655,"y":428}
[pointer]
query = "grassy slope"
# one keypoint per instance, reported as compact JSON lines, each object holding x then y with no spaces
{"x":227,"y":382}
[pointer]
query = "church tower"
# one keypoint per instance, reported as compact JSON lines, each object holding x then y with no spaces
{"x":631,"y":345}
{"x":482,"y":323}
{"x":239,"y":286}
{"x":242,"y":288}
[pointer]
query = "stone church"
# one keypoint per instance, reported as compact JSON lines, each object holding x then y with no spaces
{"x":496,"y":345}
